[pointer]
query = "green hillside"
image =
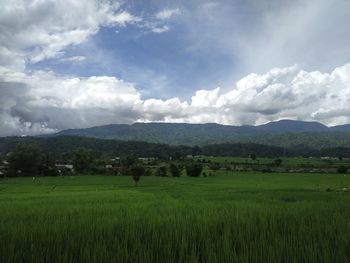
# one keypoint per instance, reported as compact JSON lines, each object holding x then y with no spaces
{"x":282,"y":134}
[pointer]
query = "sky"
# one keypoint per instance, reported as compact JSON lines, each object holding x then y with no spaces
{"x":77,"y":64}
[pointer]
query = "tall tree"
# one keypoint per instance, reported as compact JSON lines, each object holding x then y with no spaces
{"x":24,"y":160}
{"x":82,"y":159}
{"x":136,"y":171}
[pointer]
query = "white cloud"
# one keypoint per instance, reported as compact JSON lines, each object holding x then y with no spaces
{"x":167,"y":14}
{"x":75,"y":59}
{"x":33,"y":31}
{"x":41,"y":101}
{"x":159,"y":23}
{"x":205,"y":98}
{"x":160,"y":30}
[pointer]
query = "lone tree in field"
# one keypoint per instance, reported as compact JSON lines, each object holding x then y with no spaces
{"x":194,"y":169}
{"x":136,"y":172}
{"x":24,"y":160}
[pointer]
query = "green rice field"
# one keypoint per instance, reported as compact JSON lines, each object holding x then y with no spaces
{"x":230,"y":217}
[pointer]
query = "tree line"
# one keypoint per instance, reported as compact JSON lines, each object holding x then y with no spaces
{"x":27,"y":159}
{"x":61,"y":147}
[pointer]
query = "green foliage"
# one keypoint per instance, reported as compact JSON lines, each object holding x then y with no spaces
{"x":162,"y":171}
{"x":24,"y":160}
{"x":149,"y":172}
{"x":214,"y":166}
{"x":82,"y":160}
{"x":205,"y":134}
{"x":136,"y":171}
{"x":130,"y":160}
{"x":174,"y":170}
{"x":194,"y":169}
{"x":61,"y":148}
{"x":342,"y":169}
{"x":278,"y":162}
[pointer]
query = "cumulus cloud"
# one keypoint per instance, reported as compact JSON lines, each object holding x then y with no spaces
{"x":42,"y":102}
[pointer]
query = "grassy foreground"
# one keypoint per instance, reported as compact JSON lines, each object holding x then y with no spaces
{"x":227,"y":218}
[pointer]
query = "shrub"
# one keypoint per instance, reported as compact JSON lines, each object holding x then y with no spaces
{"x":277,"y":162}
{"x":214,"y":167}
{"x":342,"y":169}
{"x":194,"y":169}
{"x":174,"y":170}
{"x":162,"y":171}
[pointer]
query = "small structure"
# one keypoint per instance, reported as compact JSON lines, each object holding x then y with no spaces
{"x":116,"y":160}
{"x":63,"y":167}
{"x":3,"y":168}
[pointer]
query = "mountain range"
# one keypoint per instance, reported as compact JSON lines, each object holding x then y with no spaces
{"x":286,"y":133}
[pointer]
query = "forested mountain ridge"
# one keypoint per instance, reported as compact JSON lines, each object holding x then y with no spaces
{"x":61,"y":146}
{"x":285,"y":133}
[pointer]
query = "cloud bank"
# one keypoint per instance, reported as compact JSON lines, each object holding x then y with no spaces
{"x":43,"y":102}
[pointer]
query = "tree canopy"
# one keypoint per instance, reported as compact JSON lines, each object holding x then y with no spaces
{"x":24,"y":160}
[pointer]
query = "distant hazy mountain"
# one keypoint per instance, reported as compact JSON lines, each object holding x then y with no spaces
{"x":279,"y":133}
{"x":343,"y":128}
{"x":172,"y":133}
{"x":292,"y":126}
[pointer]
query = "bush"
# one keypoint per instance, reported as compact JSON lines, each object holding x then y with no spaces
{"x":162,"y":171}
{"x":214,"y":166}
{"x":277,"y":162}
{"x":148,"y":172}
{"x":342,"y":169}
{"x":174,"y":170}
{"x":194,"y":169}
